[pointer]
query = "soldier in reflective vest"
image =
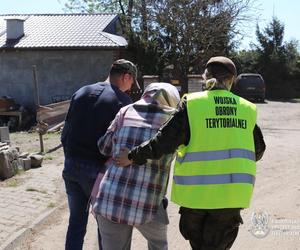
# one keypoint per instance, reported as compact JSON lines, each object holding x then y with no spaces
{"x":218,"y":143}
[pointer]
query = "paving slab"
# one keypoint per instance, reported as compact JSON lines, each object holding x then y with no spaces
{"x":27,"y":199}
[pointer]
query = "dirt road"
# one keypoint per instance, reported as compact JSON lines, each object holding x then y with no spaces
{"x":276,"y":196}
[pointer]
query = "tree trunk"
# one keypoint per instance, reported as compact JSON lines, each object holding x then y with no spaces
{"x":144,"y":20}
{"x":129,"y":13}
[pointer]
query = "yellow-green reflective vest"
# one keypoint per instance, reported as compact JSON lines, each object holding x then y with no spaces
{"x":217,"y":168}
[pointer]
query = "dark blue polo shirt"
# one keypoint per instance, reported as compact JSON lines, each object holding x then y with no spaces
{"x":91,"y":110}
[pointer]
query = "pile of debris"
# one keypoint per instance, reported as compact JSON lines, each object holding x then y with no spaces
{"x":51,"y":117}
{"x":11,"y":160}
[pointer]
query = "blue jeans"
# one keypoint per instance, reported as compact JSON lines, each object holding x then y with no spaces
{"x":79,"y":177}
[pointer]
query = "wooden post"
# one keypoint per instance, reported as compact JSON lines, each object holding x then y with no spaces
{"x":37,"y":102}
{"x":41,"y":142}
{"x":36,"y":86}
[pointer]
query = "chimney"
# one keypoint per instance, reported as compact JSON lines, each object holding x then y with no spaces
{"x":14,"y":28}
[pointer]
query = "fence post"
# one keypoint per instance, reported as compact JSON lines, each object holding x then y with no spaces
{"x":37,"y":102}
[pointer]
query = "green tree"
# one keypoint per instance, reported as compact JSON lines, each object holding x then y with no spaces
{"x":94,"y":6}
{"x":191,"y":31}
{"x":246,"y":61}
{"x":277,"y":61}
{"x":180,"y":33}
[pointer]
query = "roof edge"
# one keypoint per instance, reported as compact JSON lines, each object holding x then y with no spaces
{"x":118,"y":40}
{"x":61,"y":14}
{"x":63,"y":48}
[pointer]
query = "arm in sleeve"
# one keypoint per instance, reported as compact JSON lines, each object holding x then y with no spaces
{"x":105,"y":143}
{"x":66,"y":128}
{"x":173,"y":133}
{"x":259,"y":143}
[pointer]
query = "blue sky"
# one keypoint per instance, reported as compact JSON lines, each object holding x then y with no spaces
{"x":30,"y":6}
{"x":286,"y":10}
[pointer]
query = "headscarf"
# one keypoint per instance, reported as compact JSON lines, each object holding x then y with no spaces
{"x":158,"y":97}
{"x":163,"y":94}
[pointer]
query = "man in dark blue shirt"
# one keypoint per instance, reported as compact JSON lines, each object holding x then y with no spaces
{"x":92,"y":108}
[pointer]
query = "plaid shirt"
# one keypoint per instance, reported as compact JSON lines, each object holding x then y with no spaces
{"x":131,"y":195}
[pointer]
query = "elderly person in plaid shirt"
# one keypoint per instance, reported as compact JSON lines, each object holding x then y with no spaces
{"x":134,"y":196}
